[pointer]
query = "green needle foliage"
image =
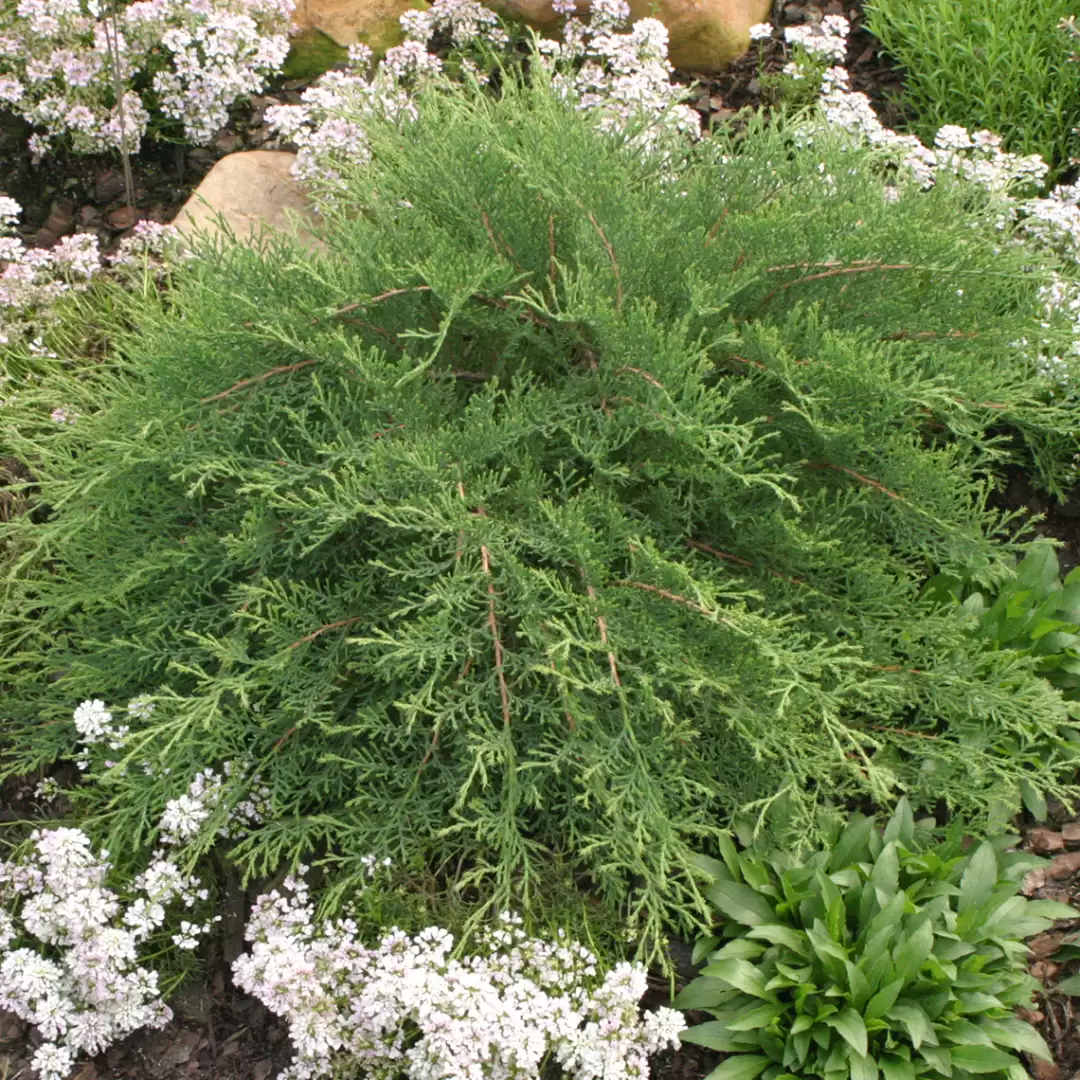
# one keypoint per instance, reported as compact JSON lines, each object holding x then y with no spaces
{"x":882,"y":955}
{"x":1007,"y":66}
{"x":568,"y":503}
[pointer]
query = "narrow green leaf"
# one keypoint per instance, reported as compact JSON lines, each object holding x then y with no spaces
{"x":1034,"y":800}
{"x":852,"y":845}
{"x":901,"y":826}
{"x":915,"y":1022}
{"x":863,"y":1067}
{"x":1069,"y":986}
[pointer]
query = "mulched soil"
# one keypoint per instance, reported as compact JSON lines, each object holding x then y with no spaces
{"x":218,"y":1033}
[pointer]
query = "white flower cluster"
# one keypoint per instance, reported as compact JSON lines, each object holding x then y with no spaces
{"x":407,"y":1007}
{"x":59,"y":60}
{"x":88,"y":989}
{"x":622,"y":80}
{"x":185,"y":815}
{"x":33,"y":279}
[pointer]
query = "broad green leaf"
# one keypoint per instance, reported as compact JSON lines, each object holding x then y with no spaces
{"x":938,"y":1058}
{"x":863,"y":1067}
{"x":702,"y":948}
{"x":915,"y":1022}
{"x":858,"y":985}
{"x":702,"y":993}
{"x":849,"y":1025}
{"x":714,"y":1035}
{"x":730,"y":854}
{"x":886,"y":873}
{"x":1069,"y":986}
{"x":852,"y":845}
{"x":895,"y":1068}
{"x":980,"y":1059}
{"x":901,"y":826}
{"x":739,"y":949}
{"x":1034,"y":800}
{"x":740,"y":974}
{"x":713,"y":867}
{"x":1051,"y":909}
{"x":909,"y":955}
{"x":883,"y":1000}
{"x":1017,"y":1035}
{"x":775,"y":934}
{"x":979,"y":878}
{"x":963,"y":1032}
{"x":739,"y":1067}
{"x":741,"y":904}
{"x":760,"y":1016}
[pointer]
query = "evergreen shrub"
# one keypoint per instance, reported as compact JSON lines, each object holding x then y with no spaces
{"x":568,"y":503}
{"x":883,"y":954}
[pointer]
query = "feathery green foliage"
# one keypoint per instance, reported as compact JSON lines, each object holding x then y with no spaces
{"x":1005,"y":66}
{"x":881,"y":954}
{"x":567,"y":504}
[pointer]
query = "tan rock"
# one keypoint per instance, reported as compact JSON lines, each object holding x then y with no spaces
{"x":1045,"y":841}
{"x":705,"y":35}
{"x":373,"y":22}
{"x":252,"y":191}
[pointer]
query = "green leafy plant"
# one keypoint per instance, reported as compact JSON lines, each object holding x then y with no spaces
{"x":1033,"y":612}
{"x":567,"y":501}
{"x":1005,"y":66}
{"x":883,"y":955}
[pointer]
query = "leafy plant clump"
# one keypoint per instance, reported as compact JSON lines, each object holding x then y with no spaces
{"x":881,"y":955}
{"x":570,"y":500}
{"x":1009,"y":68}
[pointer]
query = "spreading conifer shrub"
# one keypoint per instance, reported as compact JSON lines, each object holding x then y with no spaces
{"x":567,"y":504}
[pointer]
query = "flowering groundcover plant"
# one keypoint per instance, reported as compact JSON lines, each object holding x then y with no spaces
{"x":408,"y":1007}
{"x":180,"y":61}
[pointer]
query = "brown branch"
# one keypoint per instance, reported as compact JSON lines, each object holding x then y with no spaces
{"x":614,"y":262}
{"x":603,"y":638}
{"x":281,"y":742}
{"x":724,"y":556}
{"x":919,"y":335}
{"x":644,"y":374}
{"x":523,"y":313}
{"x":749,"y":363}
{"x":716,"y":227}
{"x":324,"y":629}
{"x":382,"y":296}
{"x":244,"y":383}
{"x":667,"y":595}
{"x":493,"y":625}
{"x":860,"y":268}
{"x":553,"y":266}
{"x":566,"y":712}
{"x":858,"y":476}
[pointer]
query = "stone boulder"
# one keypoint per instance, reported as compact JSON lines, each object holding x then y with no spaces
{"x":252,"y":190}
{"x":705,"y":35}
{"x":347,"y":22}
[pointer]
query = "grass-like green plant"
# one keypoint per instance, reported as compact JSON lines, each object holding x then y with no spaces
{"x":881,"y":955}
{"x":1006,"y":66}
{"x":568,"y":502}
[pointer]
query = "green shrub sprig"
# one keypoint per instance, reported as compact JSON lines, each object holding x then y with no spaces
{"x":884,"y":955}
